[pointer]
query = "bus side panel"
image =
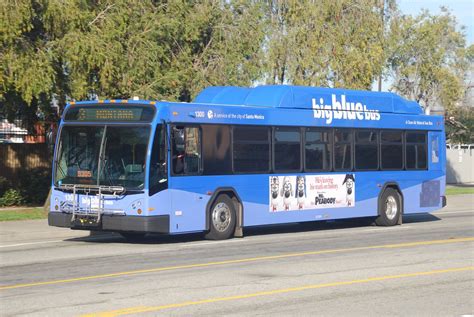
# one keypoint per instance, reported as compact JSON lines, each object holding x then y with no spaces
{"x":190,"y":196}
{"x":160,"y":204}
{"x":188,"y":204}
{"x":422,"y":193}
{"x":254,"y":190}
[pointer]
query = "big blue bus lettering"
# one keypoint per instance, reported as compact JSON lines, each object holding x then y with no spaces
{"x":238,"y":157}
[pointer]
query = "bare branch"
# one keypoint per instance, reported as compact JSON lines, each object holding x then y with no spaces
{"x":101,"y":14}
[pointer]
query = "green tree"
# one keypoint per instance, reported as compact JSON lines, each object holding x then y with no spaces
{"x":460,"y":125}
{"x":325,"y":43}
{"x":62,"y":50}
{"x":168,"y":50}
{"x":428,"y":61}
{"x":27,"y":75}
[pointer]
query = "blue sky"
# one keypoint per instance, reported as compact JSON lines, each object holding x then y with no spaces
{"x":463,"y":10}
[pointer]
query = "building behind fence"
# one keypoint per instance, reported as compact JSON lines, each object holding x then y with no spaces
{"x":25,"y":173}
{"x":460,"y":164}
{"x":17,"y":160}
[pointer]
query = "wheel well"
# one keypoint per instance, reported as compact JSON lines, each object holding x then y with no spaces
{"x":232,"y":194}
{"x":392,"y":185}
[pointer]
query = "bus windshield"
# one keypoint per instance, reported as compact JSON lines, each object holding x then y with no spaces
{"x":102,"y":155}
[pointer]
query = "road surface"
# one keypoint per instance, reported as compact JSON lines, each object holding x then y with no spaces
{"x":423,"y":267}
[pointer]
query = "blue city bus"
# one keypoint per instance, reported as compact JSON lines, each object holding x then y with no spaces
{"x":239,"y":157}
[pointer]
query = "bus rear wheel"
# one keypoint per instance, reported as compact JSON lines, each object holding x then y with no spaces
{"x":389,"y":208}
{"x":222,"y":219}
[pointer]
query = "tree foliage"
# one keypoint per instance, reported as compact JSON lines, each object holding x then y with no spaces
{"x":61,"y":50}
{"x":429,"y":59}
{"x":53,"y":51}
{"x":325,"y":43}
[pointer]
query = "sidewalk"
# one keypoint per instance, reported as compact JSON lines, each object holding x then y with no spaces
{"x":27,"y":231}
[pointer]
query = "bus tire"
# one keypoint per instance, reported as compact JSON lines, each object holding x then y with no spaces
{"x":390,"y":208}
{"x":222,"y":219}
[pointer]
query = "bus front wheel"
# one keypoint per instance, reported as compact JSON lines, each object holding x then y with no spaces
{"x":222,"y":219}
{"x":389,"y":208}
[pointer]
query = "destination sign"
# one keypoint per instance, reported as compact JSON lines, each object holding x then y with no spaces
{"x":110,"y":113}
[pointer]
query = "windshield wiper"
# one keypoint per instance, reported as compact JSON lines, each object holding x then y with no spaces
{"x":106,"y":172}
{"x":56,"y":162}
{"x":102,"y":160}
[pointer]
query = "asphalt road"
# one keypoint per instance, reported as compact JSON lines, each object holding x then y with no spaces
{"x":424,"y":267}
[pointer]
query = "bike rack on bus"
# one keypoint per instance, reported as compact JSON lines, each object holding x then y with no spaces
{"x":91,"y":212}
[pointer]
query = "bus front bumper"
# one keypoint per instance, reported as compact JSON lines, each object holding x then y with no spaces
{"x":149,"y":224}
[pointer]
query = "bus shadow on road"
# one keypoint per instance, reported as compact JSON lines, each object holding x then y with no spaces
{"x":112,"y":237}
{"x":422,"y":217}
{"x":331,"y":225}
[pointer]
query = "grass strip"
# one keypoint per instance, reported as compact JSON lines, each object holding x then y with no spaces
{"x":23,"y":214}
{"x":459,"y":190}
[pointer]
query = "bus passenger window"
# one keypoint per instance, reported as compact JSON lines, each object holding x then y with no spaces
{"x":251,"y":149}
{"x":342,"y":149}
{"x":366,"y":150}
{"x":192,"y":152}
{"x":317,"y":149}
{"x":186,"y":150}
{"x":287,"y":149}
{"x":216,"y":149}
{"x":391,"y":148}
{"x":416,"y":150}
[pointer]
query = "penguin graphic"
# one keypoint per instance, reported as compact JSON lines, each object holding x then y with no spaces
{"x":287,"y":192}
{"x":349,"y":181}
{"x":300,"y":192}
{"x":274,"y":188}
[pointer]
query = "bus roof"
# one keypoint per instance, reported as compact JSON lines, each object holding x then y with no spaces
{"x":299,"y":97}
{"x":291,"y":97}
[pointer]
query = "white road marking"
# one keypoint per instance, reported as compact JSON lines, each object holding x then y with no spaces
{"x":29,"y":243}
{"x":86,"y":238}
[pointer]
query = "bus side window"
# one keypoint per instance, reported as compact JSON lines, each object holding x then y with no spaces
{"x":391,"y":150}
{"x":193,"y":150}
{"x":343,"y":149}
{"x":434,"y":149}
{"x":416,"y":150}
{"x":186,"y":150}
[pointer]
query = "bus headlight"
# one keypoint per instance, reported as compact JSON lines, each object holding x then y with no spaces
{"x":136,"y":206}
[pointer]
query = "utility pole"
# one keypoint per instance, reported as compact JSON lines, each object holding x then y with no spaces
{"x":382,"y":14}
